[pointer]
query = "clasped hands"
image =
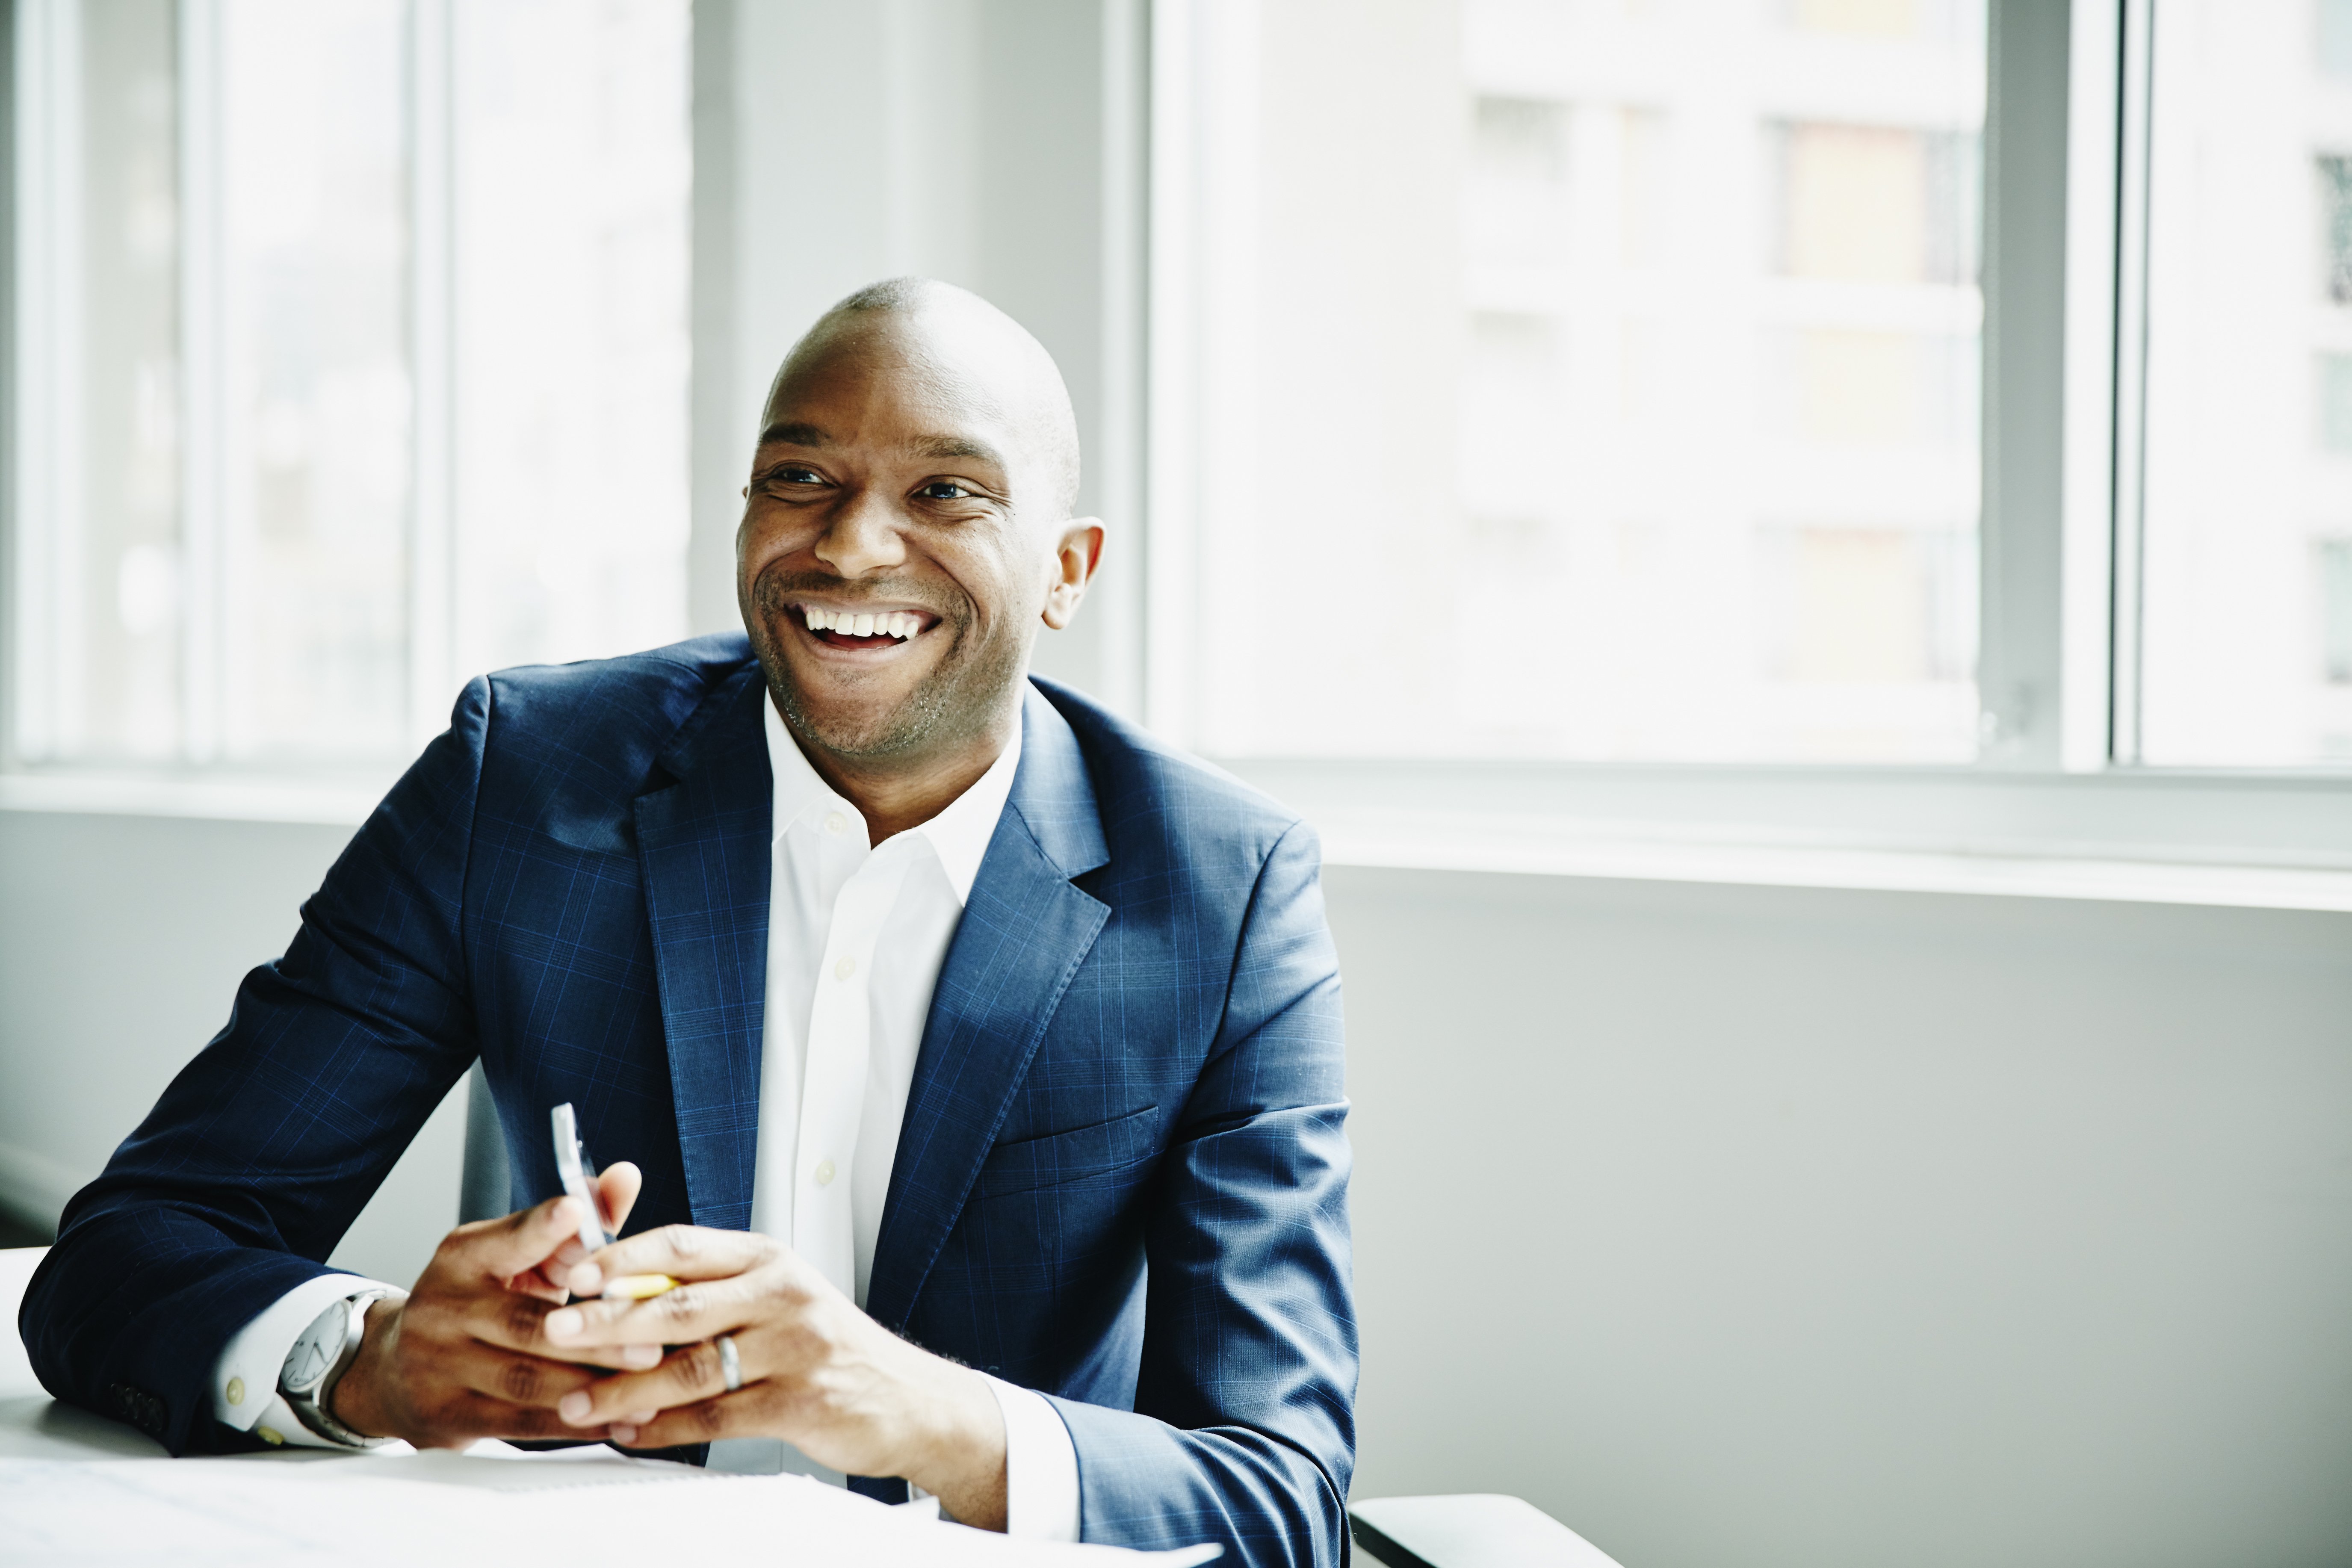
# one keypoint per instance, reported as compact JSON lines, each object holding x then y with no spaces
{"x":489,"y":1345}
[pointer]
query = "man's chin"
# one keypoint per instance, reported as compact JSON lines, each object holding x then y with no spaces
{"x":860,"y":735}
{"x":864,"y":724}
{"x":901,"y":710}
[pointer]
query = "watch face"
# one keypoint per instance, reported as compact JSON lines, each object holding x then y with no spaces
{"x":316,"y":1351}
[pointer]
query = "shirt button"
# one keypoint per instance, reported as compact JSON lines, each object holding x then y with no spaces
{"x":835,"y":822}
{"x":825,"y":1173}
{"x":236,"y":1390}
{"x":268,"y":1435}
{"x":844,"y":969}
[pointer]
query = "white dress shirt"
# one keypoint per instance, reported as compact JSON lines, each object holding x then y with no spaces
{"x":857,"y":935}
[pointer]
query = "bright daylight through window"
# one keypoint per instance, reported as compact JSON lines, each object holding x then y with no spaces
{"x":1588,"y":381}
{"x":352,"y":361}
{"x":2244,"y":594}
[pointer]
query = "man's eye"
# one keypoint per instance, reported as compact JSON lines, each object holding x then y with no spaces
{"x":943,"y":489}
{"x":795,"y":474}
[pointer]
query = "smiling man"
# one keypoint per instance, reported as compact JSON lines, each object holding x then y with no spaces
{"x":977,"y":1058}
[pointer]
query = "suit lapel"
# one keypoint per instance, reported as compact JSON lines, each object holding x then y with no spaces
{"x":704,"y":845}
{"x":1024,"y":931}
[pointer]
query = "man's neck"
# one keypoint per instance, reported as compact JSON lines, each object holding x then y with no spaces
{"x":895,"y":794}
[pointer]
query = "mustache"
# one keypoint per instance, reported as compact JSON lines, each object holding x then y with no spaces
{"x":773,"y":591}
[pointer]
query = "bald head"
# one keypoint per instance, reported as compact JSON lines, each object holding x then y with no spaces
{"x":955,"y":339}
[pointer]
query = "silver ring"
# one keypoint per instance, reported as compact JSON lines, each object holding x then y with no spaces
{"x":730,"y":1366}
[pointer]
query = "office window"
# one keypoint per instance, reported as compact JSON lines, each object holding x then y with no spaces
{"x":2242,"y":597}
{"x":311,"y":246}
{"x":352,"y":356}
{"x":1616,"y":396}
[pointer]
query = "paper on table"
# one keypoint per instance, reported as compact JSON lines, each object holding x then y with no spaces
{"x":355,"y":1509}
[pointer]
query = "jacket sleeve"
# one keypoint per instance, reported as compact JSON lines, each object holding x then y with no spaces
{"x":266,"y":1147}
{"x":1243,"y":1426}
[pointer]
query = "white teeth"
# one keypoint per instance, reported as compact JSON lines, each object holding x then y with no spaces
{"x":894,"y":623}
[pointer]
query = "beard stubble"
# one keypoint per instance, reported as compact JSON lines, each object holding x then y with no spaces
{"x":952,"y":703}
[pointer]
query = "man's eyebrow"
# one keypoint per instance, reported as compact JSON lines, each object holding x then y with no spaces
{"x":956,"y":446}
{"x":794,"y":434}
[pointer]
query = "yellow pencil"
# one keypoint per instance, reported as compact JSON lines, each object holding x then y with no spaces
{"x":637,"y":1287}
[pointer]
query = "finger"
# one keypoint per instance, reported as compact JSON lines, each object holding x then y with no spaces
{"x":689,"y":1313}
{"x":618,"y":1188}
{"x":522,"y":1380}
{"x":616,"y":1192}
{"x":688,"y":1376}
{"x":747,"y":1414}
{"x":548,"y":1279}
{"x":503,"y":1248}
{"x":557,"y":1265}
{"x":683,"y":1251}
{"x":517,"y":1321}
{"x":470,"y":1416}
{"x":536,"y":1282}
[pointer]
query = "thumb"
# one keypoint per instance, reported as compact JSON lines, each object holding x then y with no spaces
{"x":617,"y":1189}
{"x":503,"y":1248}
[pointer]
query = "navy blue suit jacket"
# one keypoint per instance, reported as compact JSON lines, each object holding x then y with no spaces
{"x":1122,"y":1177}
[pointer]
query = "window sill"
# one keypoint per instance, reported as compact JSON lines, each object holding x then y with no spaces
{"x":2259,"y":841}
{"x":1558,"y":850}
{"x":2179,"y":839}
{"x":338,"y":801}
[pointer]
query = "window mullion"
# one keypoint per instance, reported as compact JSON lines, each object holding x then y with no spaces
{"x":2020,"y":647}
{"x":2133,"y":129}
{"x":203,"y":573}
{"x":431,"y":322}
{"x":2086,"y":720}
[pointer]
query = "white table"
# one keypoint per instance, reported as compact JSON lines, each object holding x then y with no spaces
{"x":80,"y":1489}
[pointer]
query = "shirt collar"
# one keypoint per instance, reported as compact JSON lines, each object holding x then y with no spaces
{"x":960,"y":835}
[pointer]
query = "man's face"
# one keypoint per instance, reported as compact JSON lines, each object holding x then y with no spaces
{"x":890,"y":567}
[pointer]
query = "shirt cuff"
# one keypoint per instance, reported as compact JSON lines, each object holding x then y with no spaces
{"x":245,"y":1378}
{"x":1041,"y":1466}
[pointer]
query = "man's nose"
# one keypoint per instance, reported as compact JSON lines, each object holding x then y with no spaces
{"x":862,"y":537}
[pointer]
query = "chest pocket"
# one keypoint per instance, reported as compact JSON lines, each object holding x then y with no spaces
{"x":1059,"y":1158}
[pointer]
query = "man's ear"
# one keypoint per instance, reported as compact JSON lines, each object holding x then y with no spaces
{"x":1075,"y":556}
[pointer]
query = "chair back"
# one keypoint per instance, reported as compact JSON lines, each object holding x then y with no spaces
{"x":486,"y":1186}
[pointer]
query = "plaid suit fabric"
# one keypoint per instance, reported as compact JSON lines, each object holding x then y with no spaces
{"x":1122,"y":1175}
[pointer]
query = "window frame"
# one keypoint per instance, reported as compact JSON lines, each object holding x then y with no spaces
{"x":38,"y":66}
{"x":2059,"y":278}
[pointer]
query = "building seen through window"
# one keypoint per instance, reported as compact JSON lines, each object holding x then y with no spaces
{"x":1576,"y":379}
{"x":2245,"y":589}
{"x":1616,"y":396}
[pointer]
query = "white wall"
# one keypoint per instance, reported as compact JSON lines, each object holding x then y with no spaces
{"x":122,"y":942}
{"x":1746,"y":1225}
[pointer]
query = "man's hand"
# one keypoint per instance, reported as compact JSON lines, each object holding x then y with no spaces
{"x":817,"y":1371}
{"x":465,"y":1355}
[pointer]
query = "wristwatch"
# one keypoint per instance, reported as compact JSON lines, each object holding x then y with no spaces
{"x":321,"y":1357}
